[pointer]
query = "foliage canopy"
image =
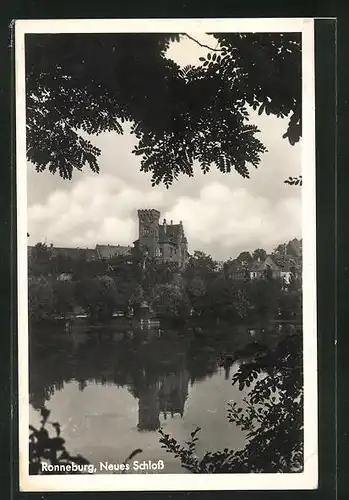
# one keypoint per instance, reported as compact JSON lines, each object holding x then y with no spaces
{"x":80,"y":85}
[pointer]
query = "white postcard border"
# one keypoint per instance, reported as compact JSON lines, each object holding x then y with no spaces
{"x":308,"y":479}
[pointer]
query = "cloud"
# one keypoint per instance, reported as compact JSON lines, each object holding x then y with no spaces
{"x":225,"y":221}
{"x":95,"y":210}
{"x":219,"y":219}
{"x":223,"y":214}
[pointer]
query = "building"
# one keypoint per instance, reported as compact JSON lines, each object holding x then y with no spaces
{"x":260,"y":268}
{"x":282,"y":263}
{"x":166,"y":242}
{"x":109,"y":251}
{"x":237,"y":271}
{"x":73,"y":253}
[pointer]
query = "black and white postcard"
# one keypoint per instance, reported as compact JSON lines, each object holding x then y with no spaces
{"x":166,"y":254}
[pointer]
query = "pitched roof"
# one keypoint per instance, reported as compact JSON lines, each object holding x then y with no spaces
{"x":285,"y":263}
{"x":260,"y":266}
{"x":171,"y":233}
{"x":73,"y":253}
{"x":237,"y":267}
{"x":109,"y":251}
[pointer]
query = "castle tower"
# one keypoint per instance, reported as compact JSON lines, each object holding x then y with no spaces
{"x":149,"y":231}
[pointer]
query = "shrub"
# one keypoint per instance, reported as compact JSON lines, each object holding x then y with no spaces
{"x":44,"y":449}
{"x":272,"y":416}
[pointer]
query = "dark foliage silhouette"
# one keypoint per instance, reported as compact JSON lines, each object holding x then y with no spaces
{"x":79,"y":85}
{"x":271,"y":415}
{"x":46,"y":449}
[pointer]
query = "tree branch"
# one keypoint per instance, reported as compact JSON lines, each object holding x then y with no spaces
{"x":202,"y":44}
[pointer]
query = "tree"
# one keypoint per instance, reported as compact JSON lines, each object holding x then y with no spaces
{"x":244,"y":257}
{"x":259,"y":253}
{"x":263,"y":295}
{"x":280,"y":251}
{"x":271,"y":414}
{"x":169,"y":301}
{"x":62,"y":264}
{"x":40,"y":260}
{"x":137,"y":298}
{"x":84,"y":268}
{"x":290,"y":304}
{"x":122,"y":269}
{"x":40,"y":298}
{"x":157,"y":273}
{"x":225,"y":301}
{"x":196,"y":291}
{"x":125,"y":291}
{"x":179,"y":116}
{"x":295,"y":282}
{"x":63,"y":297}
{"x":98,"y":297}
{"x":201,"y":264}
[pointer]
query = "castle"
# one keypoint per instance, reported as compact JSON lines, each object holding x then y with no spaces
{"x":164,"y":242}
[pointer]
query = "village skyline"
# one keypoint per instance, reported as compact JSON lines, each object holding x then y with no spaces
{"x":108,"y":250}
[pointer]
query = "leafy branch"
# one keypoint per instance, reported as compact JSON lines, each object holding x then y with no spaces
{"x":272,"y":416}
{"x":294,"y":181}
{"x":43,"y":448}
{"x":202,"y":44}
{"x":179,"y":117}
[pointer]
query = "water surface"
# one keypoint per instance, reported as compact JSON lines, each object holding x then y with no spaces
{"x":112,"y":391}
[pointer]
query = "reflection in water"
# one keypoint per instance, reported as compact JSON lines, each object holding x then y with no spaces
{"x":153,"y":369}
{"x":167,"y":395}
{"x":137,"y":381}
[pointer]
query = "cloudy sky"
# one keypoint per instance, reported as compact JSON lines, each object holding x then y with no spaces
{"x":223,"y":214}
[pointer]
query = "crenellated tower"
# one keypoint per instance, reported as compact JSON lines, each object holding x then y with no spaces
{"x":149,"y":231}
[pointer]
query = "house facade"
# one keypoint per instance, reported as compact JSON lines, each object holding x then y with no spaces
{"x":260,"y":268}
{"x":284,"y":262}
